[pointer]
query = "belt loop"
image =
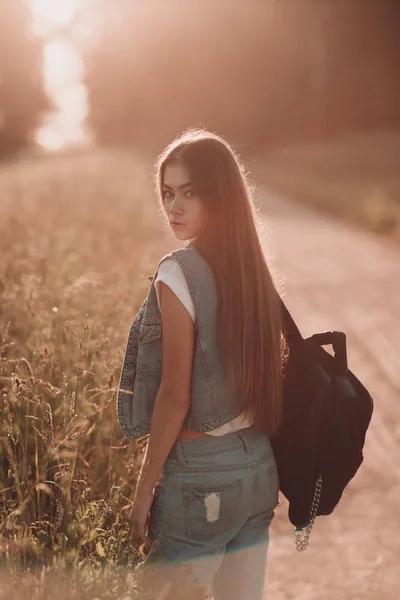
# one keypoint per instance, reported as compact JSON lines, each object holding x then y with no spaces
{"x":246,"y":441}
{"x":179,"y":453}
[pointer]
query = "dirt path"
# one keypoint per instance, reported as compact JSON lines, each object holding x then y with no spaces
{"x":338,"y":278}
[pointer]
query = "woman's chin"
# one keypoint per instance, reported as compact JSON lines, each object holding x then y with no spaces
{"x":181,"y":236}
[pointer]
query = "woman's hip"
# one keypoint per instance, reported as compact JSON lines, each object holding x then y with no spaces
{"x":242,"y":449}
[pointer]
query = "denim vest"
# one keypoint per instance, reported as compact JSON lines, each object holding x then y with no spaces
{"x":211,"y":405}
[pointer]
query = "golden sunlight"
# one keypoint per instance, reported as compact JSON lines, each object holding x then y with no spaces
{"x":62,"y":72}
{"x":58,"y":12}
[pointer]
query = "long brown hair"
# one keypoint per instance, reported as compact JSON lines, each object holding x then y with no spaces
{"x":250,"y":338}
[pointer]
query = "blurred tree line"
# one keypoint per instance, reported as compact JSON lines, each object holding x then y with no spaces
{"x":23,"y":99}
{"x":262,"y":72}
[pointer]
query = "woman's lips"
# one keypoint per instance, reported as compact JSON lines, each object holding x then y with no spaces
{"x":177,"y":224}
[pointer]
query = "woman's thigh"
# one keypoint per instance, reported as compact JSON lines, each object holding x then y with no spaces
{"x":241,"y":574}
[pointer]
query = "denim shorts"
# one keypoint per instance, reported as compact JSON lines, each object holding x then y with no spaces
{"x":213,"y":505}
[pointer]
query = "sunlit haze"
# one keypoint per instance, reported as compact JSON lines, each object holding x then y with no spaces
{"x":57,"y":12}
{"x":63,"y":72}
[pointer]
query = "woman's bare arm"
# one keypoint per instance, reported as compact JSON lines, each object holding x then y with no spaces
{"x":173,"y":398}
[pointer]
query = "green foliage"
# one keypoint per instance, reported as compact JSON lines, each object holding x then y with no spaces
{"x":22,"y":95}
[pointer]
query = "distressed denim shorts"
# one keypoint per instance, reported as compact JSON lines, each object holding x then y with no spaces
{"x":213,"y":505}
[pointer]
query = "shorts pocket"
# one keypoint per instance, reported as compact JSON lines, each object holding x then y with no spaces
{"x":211,"y":509}
{"x":273,"y":486}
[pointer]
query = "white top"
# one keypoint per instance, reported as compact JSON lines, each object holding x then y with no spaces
{"x":171,"y":273}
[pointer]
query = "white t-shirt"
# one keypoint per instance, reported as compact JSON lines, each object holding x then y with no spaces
{"x":170,"y":272}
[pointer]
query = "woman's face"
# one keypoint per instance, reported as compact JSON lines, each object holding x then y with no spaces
{"x":185,"y":211}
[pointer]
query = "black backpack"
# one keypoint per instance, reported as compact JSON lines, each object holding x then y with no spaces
{"x":326,"y":413}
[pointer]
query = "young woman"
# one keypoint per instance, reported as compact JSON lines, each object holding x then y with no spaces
{"x":208,"y":384}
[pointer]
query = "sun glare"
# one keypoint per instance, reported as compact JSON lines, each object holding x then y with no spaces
{"x":57,"y":12}
{"x":62,"y":65}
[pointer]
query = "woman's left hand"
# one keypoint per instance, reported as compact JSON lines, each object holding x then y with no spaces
{"x":139,"y":515}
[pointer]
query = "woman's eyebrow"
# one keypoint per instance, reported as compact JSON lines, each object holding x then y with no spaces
{"x":181,"y":187}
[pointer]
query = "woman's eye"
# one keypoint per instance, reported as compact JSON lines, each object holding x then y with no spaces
{"x":167,"y":194}
{"x":190,"y":193}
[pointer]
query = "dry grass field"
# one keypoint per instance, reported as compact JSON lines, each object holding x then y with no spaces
{"x":78,"y":237}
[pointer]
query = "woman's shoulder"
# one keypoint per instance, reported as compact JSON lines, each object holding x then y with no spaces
{"x":173,"y":260}
{"x":170,"y":271}
{"x":169,"y":266}
{"x":184,"y":263}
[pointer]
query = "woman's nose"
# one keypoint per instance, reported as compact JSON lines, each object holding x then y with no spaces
{"x":175,"y":208}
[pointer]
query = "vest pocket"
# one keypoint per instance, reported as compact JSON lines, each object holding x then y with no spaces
{"x":211,"y":510}
{"x":149,"y":358}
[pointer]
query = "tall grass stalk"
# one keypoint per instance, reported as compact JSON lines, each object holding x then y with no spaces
{"x":77,"y":239}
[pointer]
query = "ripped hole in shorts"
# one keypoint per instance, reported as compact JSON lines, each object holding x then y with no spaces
{"x":211,"y":509}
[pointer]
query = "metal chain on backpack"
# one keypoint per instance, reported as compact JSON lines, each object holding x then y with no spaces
{"x":303,"y":535}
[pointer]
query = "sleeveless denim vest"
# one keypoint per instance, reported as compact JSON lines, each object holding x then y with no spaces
{"x":211,"y":405}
